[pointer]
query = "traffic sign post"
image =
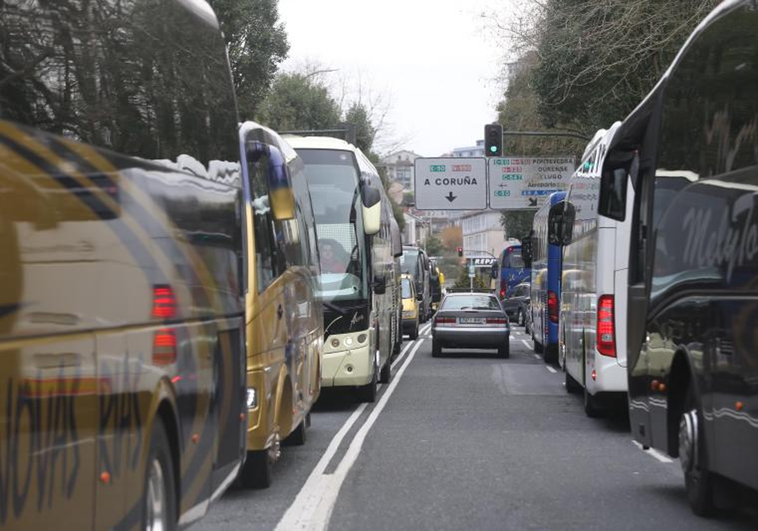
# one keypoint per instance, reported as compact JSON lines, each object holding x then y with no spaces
{"x":522,"y":183}
{"x":450,"y":183}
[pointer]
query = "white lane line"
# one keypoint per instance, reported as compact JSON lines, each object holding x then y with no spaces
{"x":652,"y":452}
{"x":527,"y":345}
{"x":402,"y":353}
{"x":426,"y":328}
{"x":313,"y":506}
{"x":548,"y":367}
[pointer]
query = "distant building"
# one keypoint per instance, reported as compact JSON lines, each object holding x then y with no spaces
{"x":416,"y":229}
{"x":482,"y":232}
{"x":470,"y":151}
{"x":399,"y":166}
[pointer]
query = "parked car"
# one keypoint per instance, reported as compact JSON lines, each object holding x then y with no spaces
{"x":471,"y":320}
{"x":410,"y":306}
{"x":517,"y":304}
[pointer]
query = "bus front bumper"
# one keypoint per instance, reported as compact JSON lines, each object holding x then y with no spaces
{"x":348,"y":364}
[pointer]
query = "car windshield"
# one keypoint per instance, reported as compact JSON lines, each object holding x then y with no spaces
{"x":470,"y":302}
{"x":406,"y":288}
{"x":333,"y":184}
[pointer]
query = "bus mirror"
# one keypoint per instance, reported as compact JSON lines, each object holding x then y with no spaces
{"x":555,"y":224}
{"x":371,"y":200}
{"x":494,"y":271}
{"x":612,"y":203}
{"x":281,"y":198}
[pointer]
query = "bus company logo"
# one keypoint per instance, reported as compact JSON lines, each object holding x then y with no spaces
{"x":731,"y":244}
{"x":357,"y":318}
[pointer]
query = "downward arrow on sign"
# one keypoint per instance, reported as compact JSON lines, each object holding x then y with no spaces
{"x":450,"y":197}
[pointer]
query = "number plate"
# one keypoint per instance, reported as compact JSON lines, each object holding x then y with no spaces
{"x":471,"y":320}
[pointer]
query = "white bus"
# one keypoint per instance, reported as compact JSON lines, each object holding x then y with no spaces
{"x":359,"y":273}
{"x":592,"y":342}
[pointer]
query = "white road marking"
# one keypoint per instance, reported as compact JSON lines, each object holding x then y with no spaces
{"x":537,"y":356}
{"x":527,"y":345}
{"x":313,"y":506}
{"x":652,"y":452}
{"x":402,"y":353}
{"x":426,"y":328}
{"x":548,"y":367}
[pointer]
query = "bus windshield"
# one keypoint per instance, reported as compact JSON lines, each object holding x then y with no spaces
{"x":333,"y":183}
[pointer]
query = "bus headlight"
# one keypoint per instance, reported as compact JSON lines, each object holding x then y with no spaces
{"x":252,"y":398}
{"x":335,"y":342}
{"x":362,"y":338}
{"x":348,"y":341}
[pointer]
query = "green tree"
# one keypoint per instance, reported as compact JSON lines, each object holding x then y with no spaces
{"x":480,"y":281}
{"x":434,"y":246}
{"x":299,"y":101}
{"x":598,"y":59}
{"x":517,"y":223}
{"x":257,"y":44}
{"x":365,"y":132}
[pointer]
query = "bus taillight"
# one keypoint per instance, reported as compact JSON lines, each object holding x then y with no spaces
{"x":164,"y":347}
{"x":606,"y":329}
{"x":164,"y":302}
{"x":552,"y":306}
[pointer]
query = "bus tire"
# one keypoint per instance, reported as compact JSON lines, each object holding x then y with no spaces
{"x":298,"y":436}
{"x":256,"y":473}
{"x":572,"y":386}
{"x":367,"y":393}
{"x":160,"y":482}
{"x":385,"y":376}
{"x":504,"y":351}
{"x":591,"y":405}
{"x":436,"y":349}
{"x":537,"y":346}
{"x":698,"y":480}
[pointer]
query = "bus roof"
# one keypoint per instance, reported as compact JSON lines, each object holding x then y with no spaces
{"x":319,"y":142}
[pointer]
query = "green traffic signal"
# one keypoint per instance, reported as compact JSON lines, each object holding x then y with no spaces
{"x":493,"y":149}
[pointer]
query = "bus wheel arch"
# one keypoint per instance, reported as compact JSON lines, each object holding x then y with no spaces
{"x":284,"y":405}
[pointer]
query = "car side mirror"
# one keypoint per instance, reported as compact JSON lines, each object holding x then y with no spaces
{"x":280,"y":196}
{"x":371,"y":203}
{"x":380,"y":285}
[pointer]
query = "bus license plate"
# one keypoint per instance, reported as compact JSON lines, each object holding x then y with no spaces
{"x":471,"y":320}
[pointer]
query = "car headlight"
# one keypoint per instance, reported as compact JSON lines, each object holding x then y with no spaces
{"x":252,"y":398}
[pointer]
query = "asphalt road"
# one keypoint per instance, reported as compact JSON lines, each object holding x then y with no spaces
{"x":467,"y":441}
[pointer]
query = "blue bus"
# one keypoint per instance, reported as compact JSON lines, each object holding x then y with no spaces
{"x":546,"y":280}
{"x":511,"y":271}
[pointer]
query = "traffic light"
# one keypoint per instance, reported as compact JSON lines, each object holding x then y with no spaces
{"x":493,"y":140}
{"x":460,"y":251}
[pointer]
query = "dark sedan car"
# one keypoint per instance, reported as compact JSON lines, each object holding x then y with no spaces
{"x":470,"y":320}
{"x":517,"y":305}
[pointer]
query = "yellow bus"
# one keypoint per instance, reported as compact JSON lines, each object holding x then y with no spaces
{"x":122,"y":367}
{"x":284,"y":318}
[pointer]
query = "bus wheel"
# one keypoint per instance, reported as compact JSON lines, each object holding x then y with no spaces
{"x":159,"y":512}
{"x":591,"y":405}
{"x":385,"y":376}
{"x":298,"y":436}
{"x":537,"y":346}
{"x":257,"y":471}
{"x":698,"y":481}
{"x":367,"y":393}
{"x":572,"y":387}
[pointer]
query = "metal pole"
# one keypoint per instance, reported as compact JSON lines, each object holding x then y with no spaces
{"x":470,"y":278}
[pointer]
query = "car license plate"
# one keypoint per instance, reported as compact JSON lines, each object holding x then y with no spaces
{"x":471,"y":320}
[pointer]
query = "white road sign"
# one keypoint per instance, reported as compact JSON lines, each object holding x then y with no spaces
{"x":453,"y":183}
{"x":518,"y":183}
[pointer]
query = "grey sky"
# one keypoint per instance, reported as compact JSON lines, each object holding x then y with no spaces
{"x":429,"y":57}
